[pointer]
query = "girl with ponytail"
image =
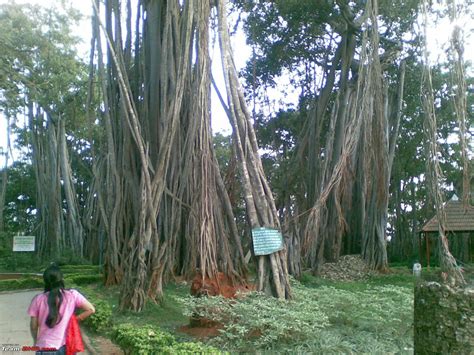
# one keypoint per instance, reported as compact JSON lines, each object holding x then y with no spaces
{"x":51,"y":311}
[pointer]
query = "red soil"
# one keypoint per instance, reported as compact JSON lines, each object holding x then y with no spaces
{"x":221,"y":285}
{"x":201,"y":332}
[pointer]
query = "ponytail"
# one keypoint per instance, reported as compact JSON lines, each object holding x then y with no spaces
{"x":54,"y":284}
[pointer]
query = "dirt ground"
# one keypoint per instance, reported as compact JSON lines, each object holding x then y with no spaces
{"x":99,"y":345}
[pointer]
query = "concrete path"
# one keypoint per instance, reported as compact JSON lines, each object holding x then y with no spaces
{"x":15,"y":322}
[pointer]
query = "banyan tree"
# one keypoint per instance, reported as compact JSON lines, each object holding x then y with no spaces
{"x":162,"y":202}
{"x":350,"y":184}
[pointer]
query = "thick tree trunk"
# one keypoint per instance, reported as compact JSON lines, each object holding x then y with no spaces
{"x":49,"y":201}
{"x":110,"y":185}
{"x":75,"y":231}
{"x":272,"y":269}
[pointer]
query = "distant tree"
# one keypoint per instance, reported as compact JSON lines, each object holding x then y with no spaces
{"x":319,"y":48}
{"x":42,"y":79}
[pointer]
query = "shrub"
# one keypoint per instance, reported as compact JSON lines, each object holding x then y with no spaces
{"x":141,"y":340}
{"x":19,"y":261}
{"x":150,"y":339}
{"x":189,"y":349}
{"x":101,"y":319}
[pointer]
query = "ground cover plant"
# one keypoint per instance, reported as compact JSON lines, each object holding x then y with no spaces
{"x":375,"y":316}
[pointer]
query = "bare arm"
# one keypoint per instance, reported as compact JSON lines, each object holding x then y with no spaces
{"x":34,"y":328}
{"x":88,"y":310}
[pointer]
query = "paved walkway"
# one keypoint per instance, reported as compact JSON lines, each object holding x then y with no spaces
{"x":15,"y":322}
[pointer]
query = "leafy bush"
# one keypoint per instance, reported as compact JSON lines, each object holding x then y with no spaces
{"x":150,"y":339}
{"x":189,"y":349}
{"x":101,"y":319}
{"x":19,"y":261}
{"x":141,"y":340}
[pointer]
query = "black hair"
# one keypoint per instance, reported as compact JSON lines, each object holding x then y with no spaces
{"x":54,"y":284}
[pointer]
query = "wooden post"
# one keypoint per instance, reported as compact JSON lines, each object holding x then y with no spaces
{"x":427,"y":250}
{"x":420,"y":236}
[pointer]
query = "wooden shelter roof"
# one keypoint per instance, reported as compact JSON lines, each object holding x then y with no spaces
{"x":457,"y":218}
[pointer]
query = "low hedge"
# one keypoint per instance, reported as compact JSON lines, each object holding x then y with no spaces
{"x":141,"y":340}
{"x":150,"y":339}
{"x":80,"y":269}
{"x":24,"y":283}
{"x":189,"y":348}
{"x":83,"y":279}
{"x":21,"y":284}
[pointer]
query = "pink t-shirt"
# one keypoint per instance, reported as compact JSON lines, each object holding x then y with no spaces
{"x":54,"y":337}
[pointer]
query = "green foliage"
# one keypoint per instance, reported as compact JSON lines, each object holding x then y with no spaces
{"x":82,"y":269}
{"x":150,"y":339}
{"x":40,"y":69}
{"x":19,"y":262}
{"x":101,"y":319}
{"x":20,"y":199}
{"x":83,"y":279}
{"x":167,"y":314}
{"x":141,"y":340}
{"x":223,"y":150}
{"x":323,"y":319}
{"x":21,"y":284}
{"x":189,"y":348}
{"x":258,"y":320}
{"x":11,"y":261}
{"x":30,"y":262}
{"x":133,"y":333}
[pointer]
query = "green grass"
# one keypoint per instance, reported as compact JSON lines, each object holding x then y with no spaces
{"x":397,"y":276}
{"x":168,"y":314}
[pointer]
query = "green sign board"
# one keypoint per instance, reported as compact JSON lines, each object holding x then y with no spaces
{"x":266,"y":241}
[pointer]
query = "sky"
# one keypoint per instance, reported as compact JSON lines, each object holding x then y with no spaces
{"x":438,"y":37}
